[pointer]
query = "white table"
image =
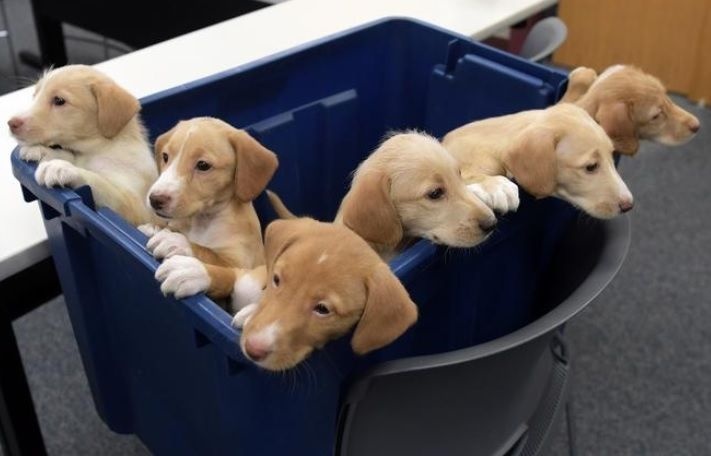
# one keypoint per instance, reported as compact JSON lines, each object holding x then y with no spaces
{"x":23,"y":241}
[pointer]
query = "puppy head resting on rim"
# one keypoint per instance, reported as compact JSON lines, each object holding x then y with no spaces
{"x":205,"y":163}
{"x":566,"y":154}
{"x":76,"y":107}
{"x":323,"y":281}
{"x":411,"y":186}
{"x":632,"y":105}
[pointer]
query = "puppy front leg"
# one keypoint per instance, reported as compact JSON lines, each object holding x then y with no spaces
{"x":61,"y":173}
{"x":185,"y":276}
{"x":579,"y":81}
{"x":38,"y":153}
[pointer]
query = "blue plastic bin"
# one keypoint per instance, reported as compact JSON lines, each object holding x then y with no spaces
{"x":171,"y":371}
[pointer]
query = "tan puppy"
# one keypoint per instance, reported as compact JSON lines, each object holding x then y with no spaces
{"x":84,"y":129}
{"x":559,"y":151}
{"x":410,"y":187}
{"x":324,"y":280}
{"x":630,"y":105}
{"x":210,"y":173}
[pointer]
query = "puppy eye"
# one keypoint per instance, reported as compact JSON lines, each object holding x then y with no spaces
{"x":276,"y":280}
{"x":58,"y":101}
{"x":592,"y":167}
{"x":203,"y":166}
{"x":165,"y":157}
{"x":436,"y":194}
{"x":321,"y":310}
{"x":658,"y":115}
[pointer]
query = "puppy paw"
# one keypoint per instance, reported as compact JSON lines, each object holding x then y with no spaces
{"x":166,"y":243}
{"x":182,"y":276}
{"x":240,"y":319}
{"x":497,"y":192}
{"x":59,"y":173}
{"x":34,"y":153}
{"x":248,"y":288}
{"x":149,"y":229}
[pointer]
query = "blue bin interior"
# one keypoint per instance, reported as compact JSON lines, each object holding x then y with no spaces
{"x":325,"y":108}
{"x":171,"y":371}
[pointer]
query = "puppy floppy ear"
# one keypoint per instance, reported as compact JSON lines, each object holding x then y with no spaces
{"x":388,"y":312}
{"x":368,"y":210}
{"x":255,"y":165}
{"x":280,"y":234}
{"x":115,"y":107}
{"x":160,"y":143}
{"x":533,"y":162}
{"x":616,"y":119}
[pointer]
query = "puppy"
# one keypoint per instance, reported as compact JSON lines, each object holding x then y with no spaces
{"x":559,"y":151}
{"x":84,"y":129}
{"x":630,"y":105}
{"x":209,"y":174}
{"x":324,"y":280}
{"x":410,"y":187}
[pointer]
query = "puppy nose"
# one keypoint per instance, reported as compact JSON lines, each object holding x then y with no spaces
{"x":256,"y":349}
{"x":15,"y":123}
{"x":626,"y":205}
{"x":158,"y":201}
{"x":694,"y":127}
{"x":487,"y":226}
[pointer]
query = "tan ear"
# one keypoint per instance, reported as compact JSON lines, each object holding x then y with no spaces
{"x":160,"y":143}
{"x":615,"y":118}
{"x":533,"y":162}
{"x":115,"y":107}
{"x":388,"y":312}
{"x":255,"y":165}
{"x":280,"y":234}
{"x":368,"y":210}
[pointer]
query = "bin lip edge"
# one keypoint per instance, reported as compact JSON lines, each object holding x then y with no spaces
{"x":555,"y":318}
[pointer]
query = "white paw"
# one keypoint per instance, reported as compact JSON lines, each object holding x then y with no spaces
{"x":166,"y":243}
{"x":59,"y":173}
{"x":149,"y":229}
{"x":34,"y":153}
{"x":247,"y":290}
{"x":182,"y":276}
{"x":497,"y":192}
{"x":240,"y":319}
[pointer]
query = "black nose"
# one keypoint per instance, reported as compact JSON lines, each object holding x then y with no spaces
{"x":695,"y":127}
{"x":488,"y":226}
{"x":158,"y":201}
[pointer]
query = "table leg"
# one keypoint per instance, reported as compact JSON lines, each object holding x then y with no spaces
{"x":19,"y":430}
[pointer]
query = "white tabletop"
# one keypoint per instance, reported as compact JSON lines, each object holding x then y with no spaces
{"x":23,"y":240}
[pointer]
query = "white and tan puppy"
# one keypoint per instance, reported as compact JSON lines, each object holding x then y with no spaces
{"x":410,"y":187}
{"x":630,"y":105}
{"x":209,"y":174}
{"x":559,"y":151}
{"x":324,"y":280}
{"x":84,"y":129}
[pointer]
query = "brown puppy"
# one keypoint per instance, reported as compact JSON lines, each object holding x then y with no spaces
{"x":324,"y":280}
{"x":84,"y":129}
{"x":410,"y":187}
{"x":559,"y":151}
{"x":210,"y":173}
{"x":630,"y":105}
